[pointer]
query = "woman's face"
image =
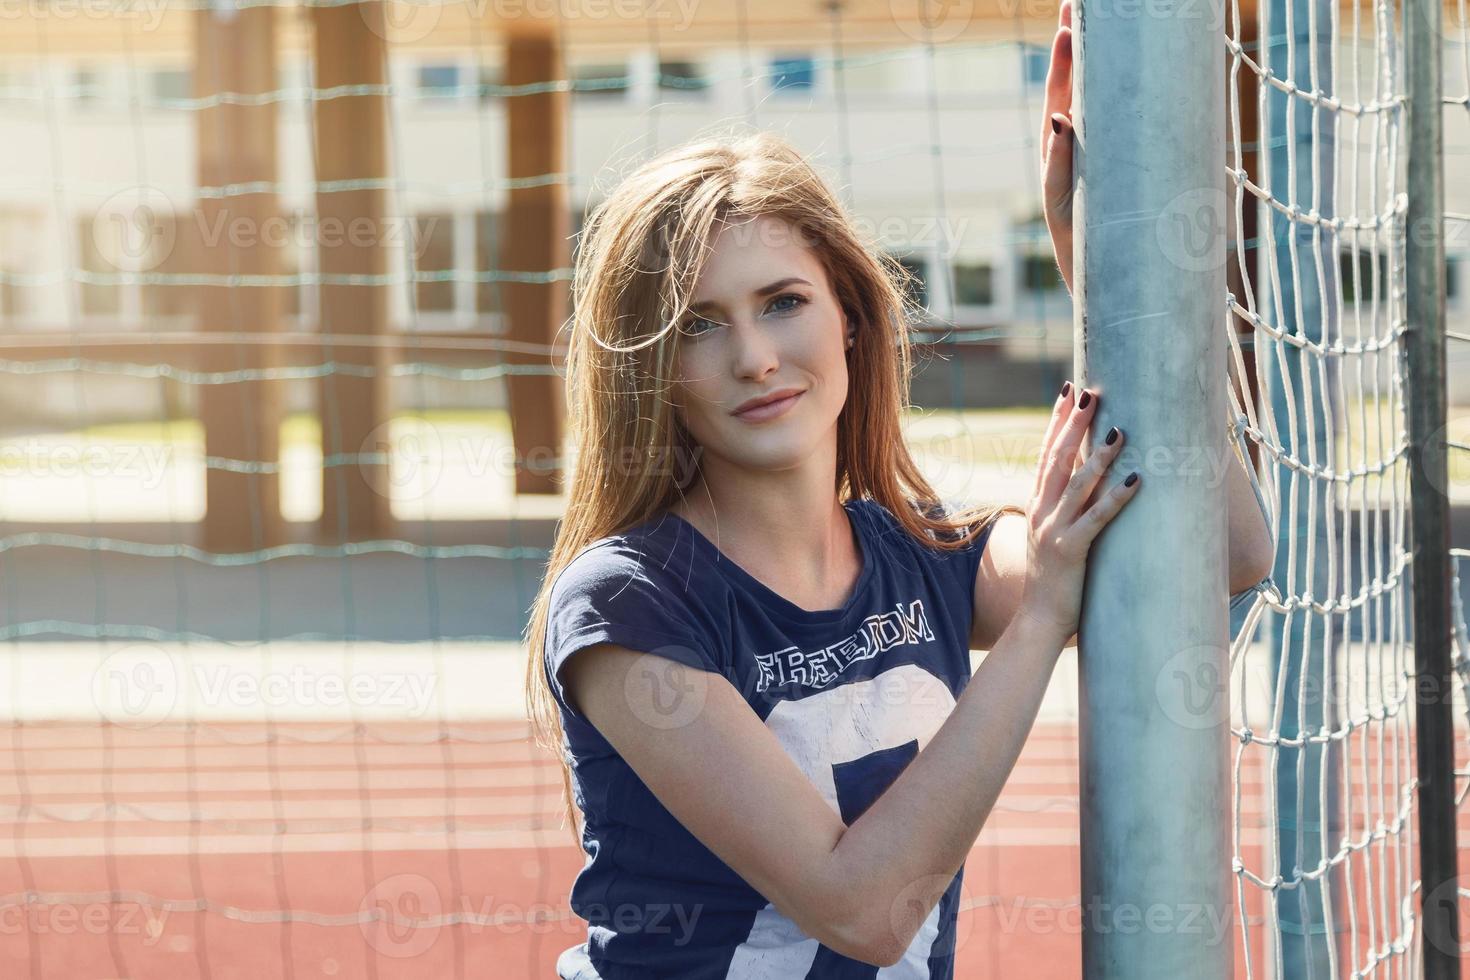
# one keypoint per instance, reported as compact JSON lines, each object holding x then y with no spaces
{"x":763,"y":320}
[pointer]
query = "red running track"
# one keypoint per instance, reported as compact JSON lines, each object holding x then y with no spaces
{"x":212,"y":835}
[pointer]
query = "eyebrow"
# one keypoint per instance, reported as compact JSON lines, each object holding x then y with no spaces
{"x":779,"y":284}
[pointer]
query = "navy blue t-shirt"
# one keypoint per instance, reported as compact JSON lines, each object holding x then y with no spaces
{"x":852,"y":694}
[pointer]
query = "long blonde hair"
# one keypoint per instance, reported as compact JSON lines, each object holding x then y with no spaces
{"x":640,"y":255}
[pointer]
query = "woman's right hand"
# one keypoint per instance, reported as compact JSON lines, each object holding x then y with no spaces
{"x":1064,"y":514}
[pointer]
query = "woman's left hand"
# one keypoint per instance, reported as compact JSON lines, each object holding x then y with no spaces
{"x":1056,"y":144}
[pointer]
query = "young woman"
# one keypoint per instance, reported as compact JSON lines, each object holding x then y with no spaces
{"x":752,"y":647}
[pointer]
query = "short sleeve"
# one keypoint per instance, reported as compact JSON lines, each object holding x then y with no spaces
{"x":964,"y":561}
{"x":610,"y":594}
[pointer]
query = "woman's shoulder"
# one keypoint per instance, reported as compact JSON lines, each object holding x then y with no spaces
{"x":643,"y":555}
{"x":891,"y":524}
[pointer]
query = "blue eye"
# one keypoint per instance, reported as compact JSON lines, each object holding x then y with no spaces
{"x":693,"y":326}
{"x":800,"y":301}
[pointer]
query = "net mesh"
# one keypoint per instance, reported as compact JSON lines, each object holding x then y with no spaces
{"x":304,"y":757}
{"x":1322,"y":672}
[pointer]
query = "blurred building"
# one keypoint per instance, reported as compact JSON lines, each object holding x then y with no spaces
{"x":934,"y":149}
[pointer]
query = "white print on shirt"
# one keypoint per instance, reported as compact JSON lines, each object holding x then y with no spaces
{"x":878,"y":633}
{"x":847,"y":727}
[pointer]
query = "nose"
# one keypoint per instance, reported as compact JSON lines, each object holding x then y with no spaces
{"x":754,"y":352}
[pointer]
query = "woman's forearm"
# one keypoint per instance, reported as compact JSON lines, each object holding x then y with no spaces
{"x":897,"y":858}
{"x":1061,"y":241}
{"x":1249,"y":537}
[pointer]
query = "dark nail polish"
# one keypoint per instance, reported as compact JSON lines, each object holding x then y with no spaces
{"x":1112,"y":435}
{"x":1066,"y":388}
{"x":1132,"y":479}
{"x":1056,"y":127}
{"x":1085,"y":400}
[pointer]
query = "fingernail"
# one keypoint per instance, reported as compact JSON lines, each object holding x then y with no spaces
{"x":1085,"y":400}
{"x":1056,"y":127}
{"x":1132,"y":479}
{"x":1112,"y":435}
{"x":1066,"y":388}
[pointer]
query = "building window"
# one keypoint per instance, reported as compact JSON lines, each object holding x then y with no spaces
{"x":487,"y":259}
{"x":169,"y":85}
{"x":1367,"y":284}
{"x":604,"y":81}
{"x":916,"y":288}
{"x":438,"y":81}
{"x":793,"y":74}
{"x":489,"y":82}
{"x":88,"y":82}
{"x":1036,"y":59}
{"x":96,"y":241}
{"x":169,"y":298}
{"x":18,"y":233}
{"x":682,"y":76}
{"x":974,"y":284}
{"x":1039,"y":274}
{"x":292,"y":255}
{"x":293,"y":78}
{"x":1451,"y":279}
{"x":434,"y":245}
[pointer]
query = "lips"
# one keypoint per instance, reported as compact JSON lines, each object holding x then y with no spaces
{"x":768,"y":406}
